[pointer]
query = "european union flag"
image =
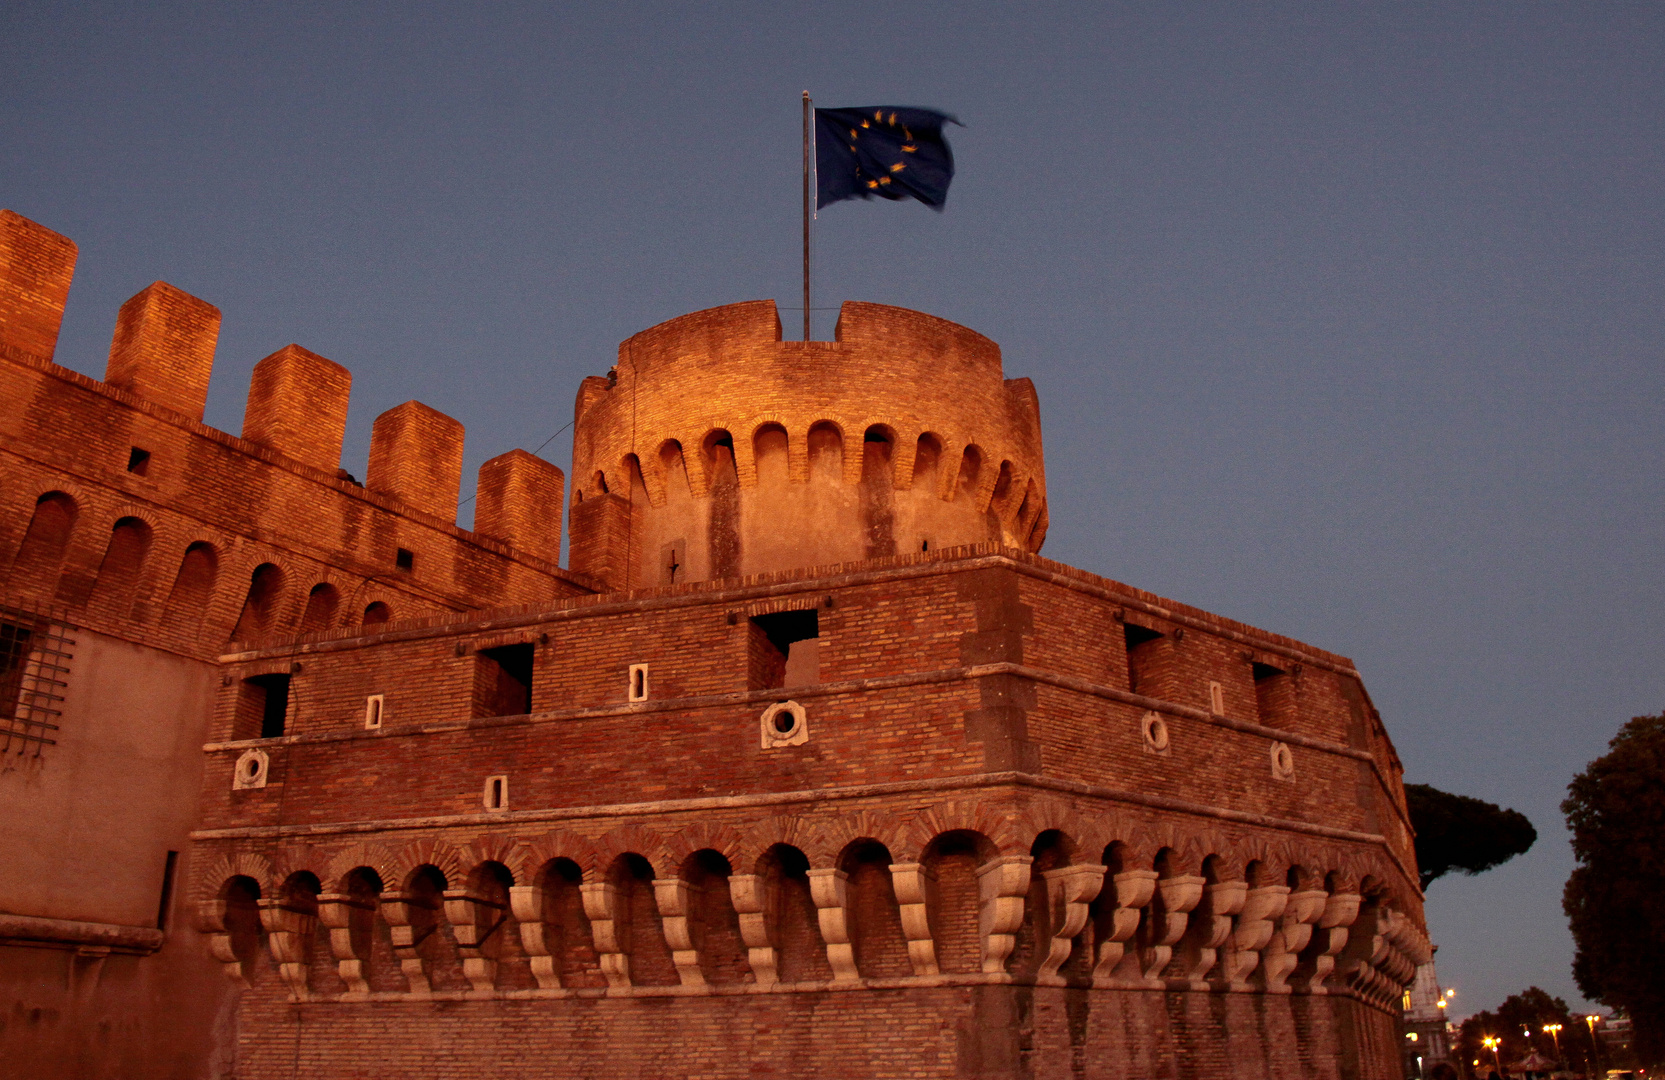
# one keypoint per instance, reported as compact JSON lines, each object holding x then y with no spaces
{"x":889,"y":152}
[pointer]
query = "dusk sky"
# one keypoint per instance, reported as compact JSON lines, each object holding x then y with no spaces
{"x":1345,"y":318}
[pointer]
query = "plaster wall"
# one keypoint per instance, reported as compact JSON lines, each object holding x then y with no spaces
{"x":90,"y":824}
{"x":166,"y":1016}
{"x":119,"y":790}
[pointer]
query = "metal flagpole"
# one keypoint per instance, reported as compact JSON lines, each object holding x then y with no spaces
{"x":806,"y":214}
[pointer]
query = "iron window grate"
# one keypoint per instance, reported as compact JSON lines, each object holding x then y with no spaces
{"x":34,"y":672}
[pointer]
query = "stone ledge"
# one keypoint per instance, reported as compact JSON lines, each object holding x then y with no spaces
{"x":36,"y":932}
{"x":907,"y":982}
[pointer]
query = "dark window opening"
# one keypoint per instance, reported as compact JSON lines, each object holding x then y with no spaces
{"x":14,"y":657}
{"x":404,"y":559}
{"x":503,"y":681}
{"x":376,"y":614}
{"x":263,"y":707}
{"x":1141,"y":658}
{"x":138,"y":461}
{"x":168,"y":868}
{"x":784,"y":650}
{"x":1274,"y":696}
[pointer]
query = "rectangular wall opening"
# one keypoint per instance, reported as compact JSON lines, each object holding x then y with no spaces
{"x":1144,"y":659}
{"x":404,"y":559}
{"x":138,"y":461}
{"x":784,"y":650}
{"x":262,"y":708}
{"x":14,"y":655}
{"x":1275,"y":696}
{"x":503,"y":681}
{"x":169,"y":867}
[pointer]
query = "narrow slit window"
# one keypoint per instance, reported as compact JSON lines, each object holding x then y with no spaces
{"x":1216,"y":699}
{"x":638,"y":682}
{"x":496,"y":796}
{"x":169,"y":867}
{"x":373,"y":712}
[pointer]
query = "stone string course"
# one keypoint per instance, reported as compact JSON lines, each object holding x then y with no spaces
{"x":1043,"y":824}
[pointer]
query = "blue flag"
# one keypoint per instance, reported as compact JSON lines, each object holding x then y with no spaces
{"x":889,"y":152}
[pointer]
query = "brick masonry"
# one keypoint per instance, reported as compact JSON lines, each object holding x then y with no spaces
{"x":1032,"y":822}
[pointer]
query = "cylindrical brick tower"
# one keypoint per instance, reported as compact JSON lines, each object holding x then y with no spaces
{"x":714,"y":449}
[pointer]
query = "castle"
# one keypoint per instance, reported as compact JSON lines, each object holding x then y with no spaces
{"x":807,"y":763}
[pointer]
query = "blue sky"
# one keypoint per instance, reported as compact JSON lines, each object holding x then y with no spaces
{"x":1345,"y":318}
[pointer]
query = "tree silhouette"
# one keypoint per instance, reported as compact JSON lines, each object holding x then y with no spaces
{"x":1615,"y":898}
{"x":1456,"y":832}
{"x":1526,"y":1011}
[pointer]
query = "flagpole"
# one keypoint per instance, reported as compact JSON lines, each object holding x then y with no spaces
{"x":806,"y":215}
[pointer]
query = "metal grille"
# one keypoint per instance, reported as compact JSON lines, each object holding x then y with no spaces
{"x":34,"y":670}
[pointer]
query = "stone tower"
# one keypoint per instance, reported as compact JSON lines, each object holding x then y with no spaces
{"x":816,"y":766}
{"x":717,"y":450}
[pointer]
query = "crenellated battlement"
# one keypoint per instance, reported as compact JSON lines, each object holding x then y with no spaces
{"x":949,"y":449}
{"x":814,"y":747}
{"x":123,"y":506}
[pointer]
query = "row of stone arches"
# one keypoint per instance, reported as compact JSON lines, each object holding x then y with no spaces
{"x":132,"y":582}
{"x":518,"y":916}
{"x":927,"y":460}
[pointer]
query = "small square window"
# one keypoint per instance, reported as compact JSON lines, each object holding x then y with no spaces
{"x":373,"y":706}
{"x":138,"y":461}
{"x":404,"y":560}
{"x":638,"y":682}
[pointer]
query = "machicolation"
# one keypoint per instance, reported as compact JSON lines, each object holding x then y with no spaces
{"x":809,"y":763}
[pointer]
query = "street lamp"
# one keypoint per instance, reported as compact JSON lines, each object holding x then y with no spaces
{"x":1592,"y":1019}
{"x":1554,"y":1032}
{"x":1491,"y":1042}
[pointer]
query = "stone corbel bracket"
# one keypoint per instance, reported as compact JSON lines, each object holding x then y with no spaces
{"x":1002,"y":887}
{"x":411,"y":918}
{"x":474,"y":919}
{"x":909,"y":881}
{"x":1301,"y":911}
{"x":351,"y":922}
{"x":1070,"y":891}
{"x":829,"y":889}
{"x":1210,"y":929}
{"x":671,"y":894}
{"x":1133,"y":890}
{"x":748,"y":893}
{"x":289,"y":933}
{"x":1170,"y":915}
{"x":601,"y":904}
{"x":1256,"y":923}
{"x":211,"y":920}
